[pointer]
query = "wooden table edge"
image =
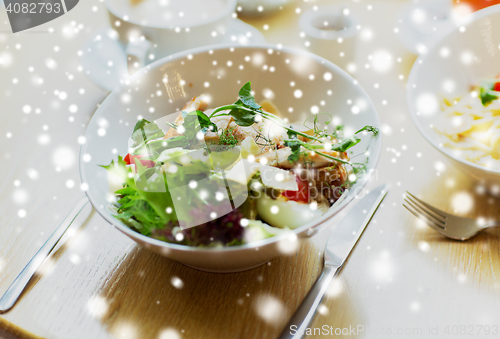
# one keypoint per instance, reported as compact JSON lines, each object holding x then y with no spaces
{"x":16,"y":331}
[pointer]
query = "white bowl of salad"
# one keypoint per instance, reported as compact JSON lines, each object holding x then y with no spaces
{"x":223,"y":158}
{"x":454,"y":96}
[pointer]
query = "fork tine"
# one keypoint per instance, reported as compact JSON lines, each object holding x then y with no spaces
{"x":423,"y":208}
{"x":438,"y":212}
{"x":427,"y":221}
{"x":424,"y":214}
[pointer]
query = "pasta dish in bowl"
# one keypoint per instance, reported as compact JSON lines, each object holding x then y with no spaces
{"x":470,"y":125}
{"x":452,"y":97}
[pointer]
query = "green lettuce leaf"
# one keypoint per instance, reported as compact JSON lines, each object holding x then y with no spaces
{"x":141,"y":209}
{"x":144,"y":131}
{"x":246,"y":96}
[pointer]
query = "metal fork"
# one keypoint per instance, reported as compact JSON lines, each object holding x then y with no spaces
{"x":451,"y":226}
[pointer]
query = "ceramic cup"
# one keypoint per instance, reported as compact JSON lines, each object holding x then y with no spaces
{"x":258,"y":8}
{"x":150,"y":29}
{"x":331,"y":32}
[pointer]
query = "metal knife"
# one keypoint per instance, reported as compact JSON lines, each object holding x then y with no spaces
{"x":339,"y":246}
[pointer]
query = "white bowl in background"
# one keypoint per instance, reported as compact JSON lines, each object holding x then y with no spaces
{"x":284,"y":74}
{"x":461,"y":59}
{"x":422,"y":23}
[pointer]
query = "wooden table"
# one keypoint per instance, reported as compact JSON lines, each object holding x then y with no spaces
{"x":403,"y":277}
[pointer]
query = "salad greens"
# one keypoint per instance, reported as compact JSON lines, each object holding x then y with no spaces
{"x":342,"y":146}
{"x":157,"y":195}
{"x":145,"y":130}
{"x":139,"y":208}
{"x":146,"y":201}
{"x":246,"y":112}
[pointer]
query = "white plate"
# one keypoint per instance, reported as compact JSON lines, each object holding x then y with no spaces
{"x":104,"y":61}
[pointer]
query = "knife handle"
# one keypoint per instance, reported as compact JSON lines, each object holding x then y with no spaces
{"x":17,"y":287}
{"x":305,"y":313}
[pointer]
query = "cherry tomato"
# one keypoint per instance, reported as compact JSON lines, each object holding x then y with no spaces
{"x":129,"y":160}
{"x":302,"y":195}
{"x":496,"y":86}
